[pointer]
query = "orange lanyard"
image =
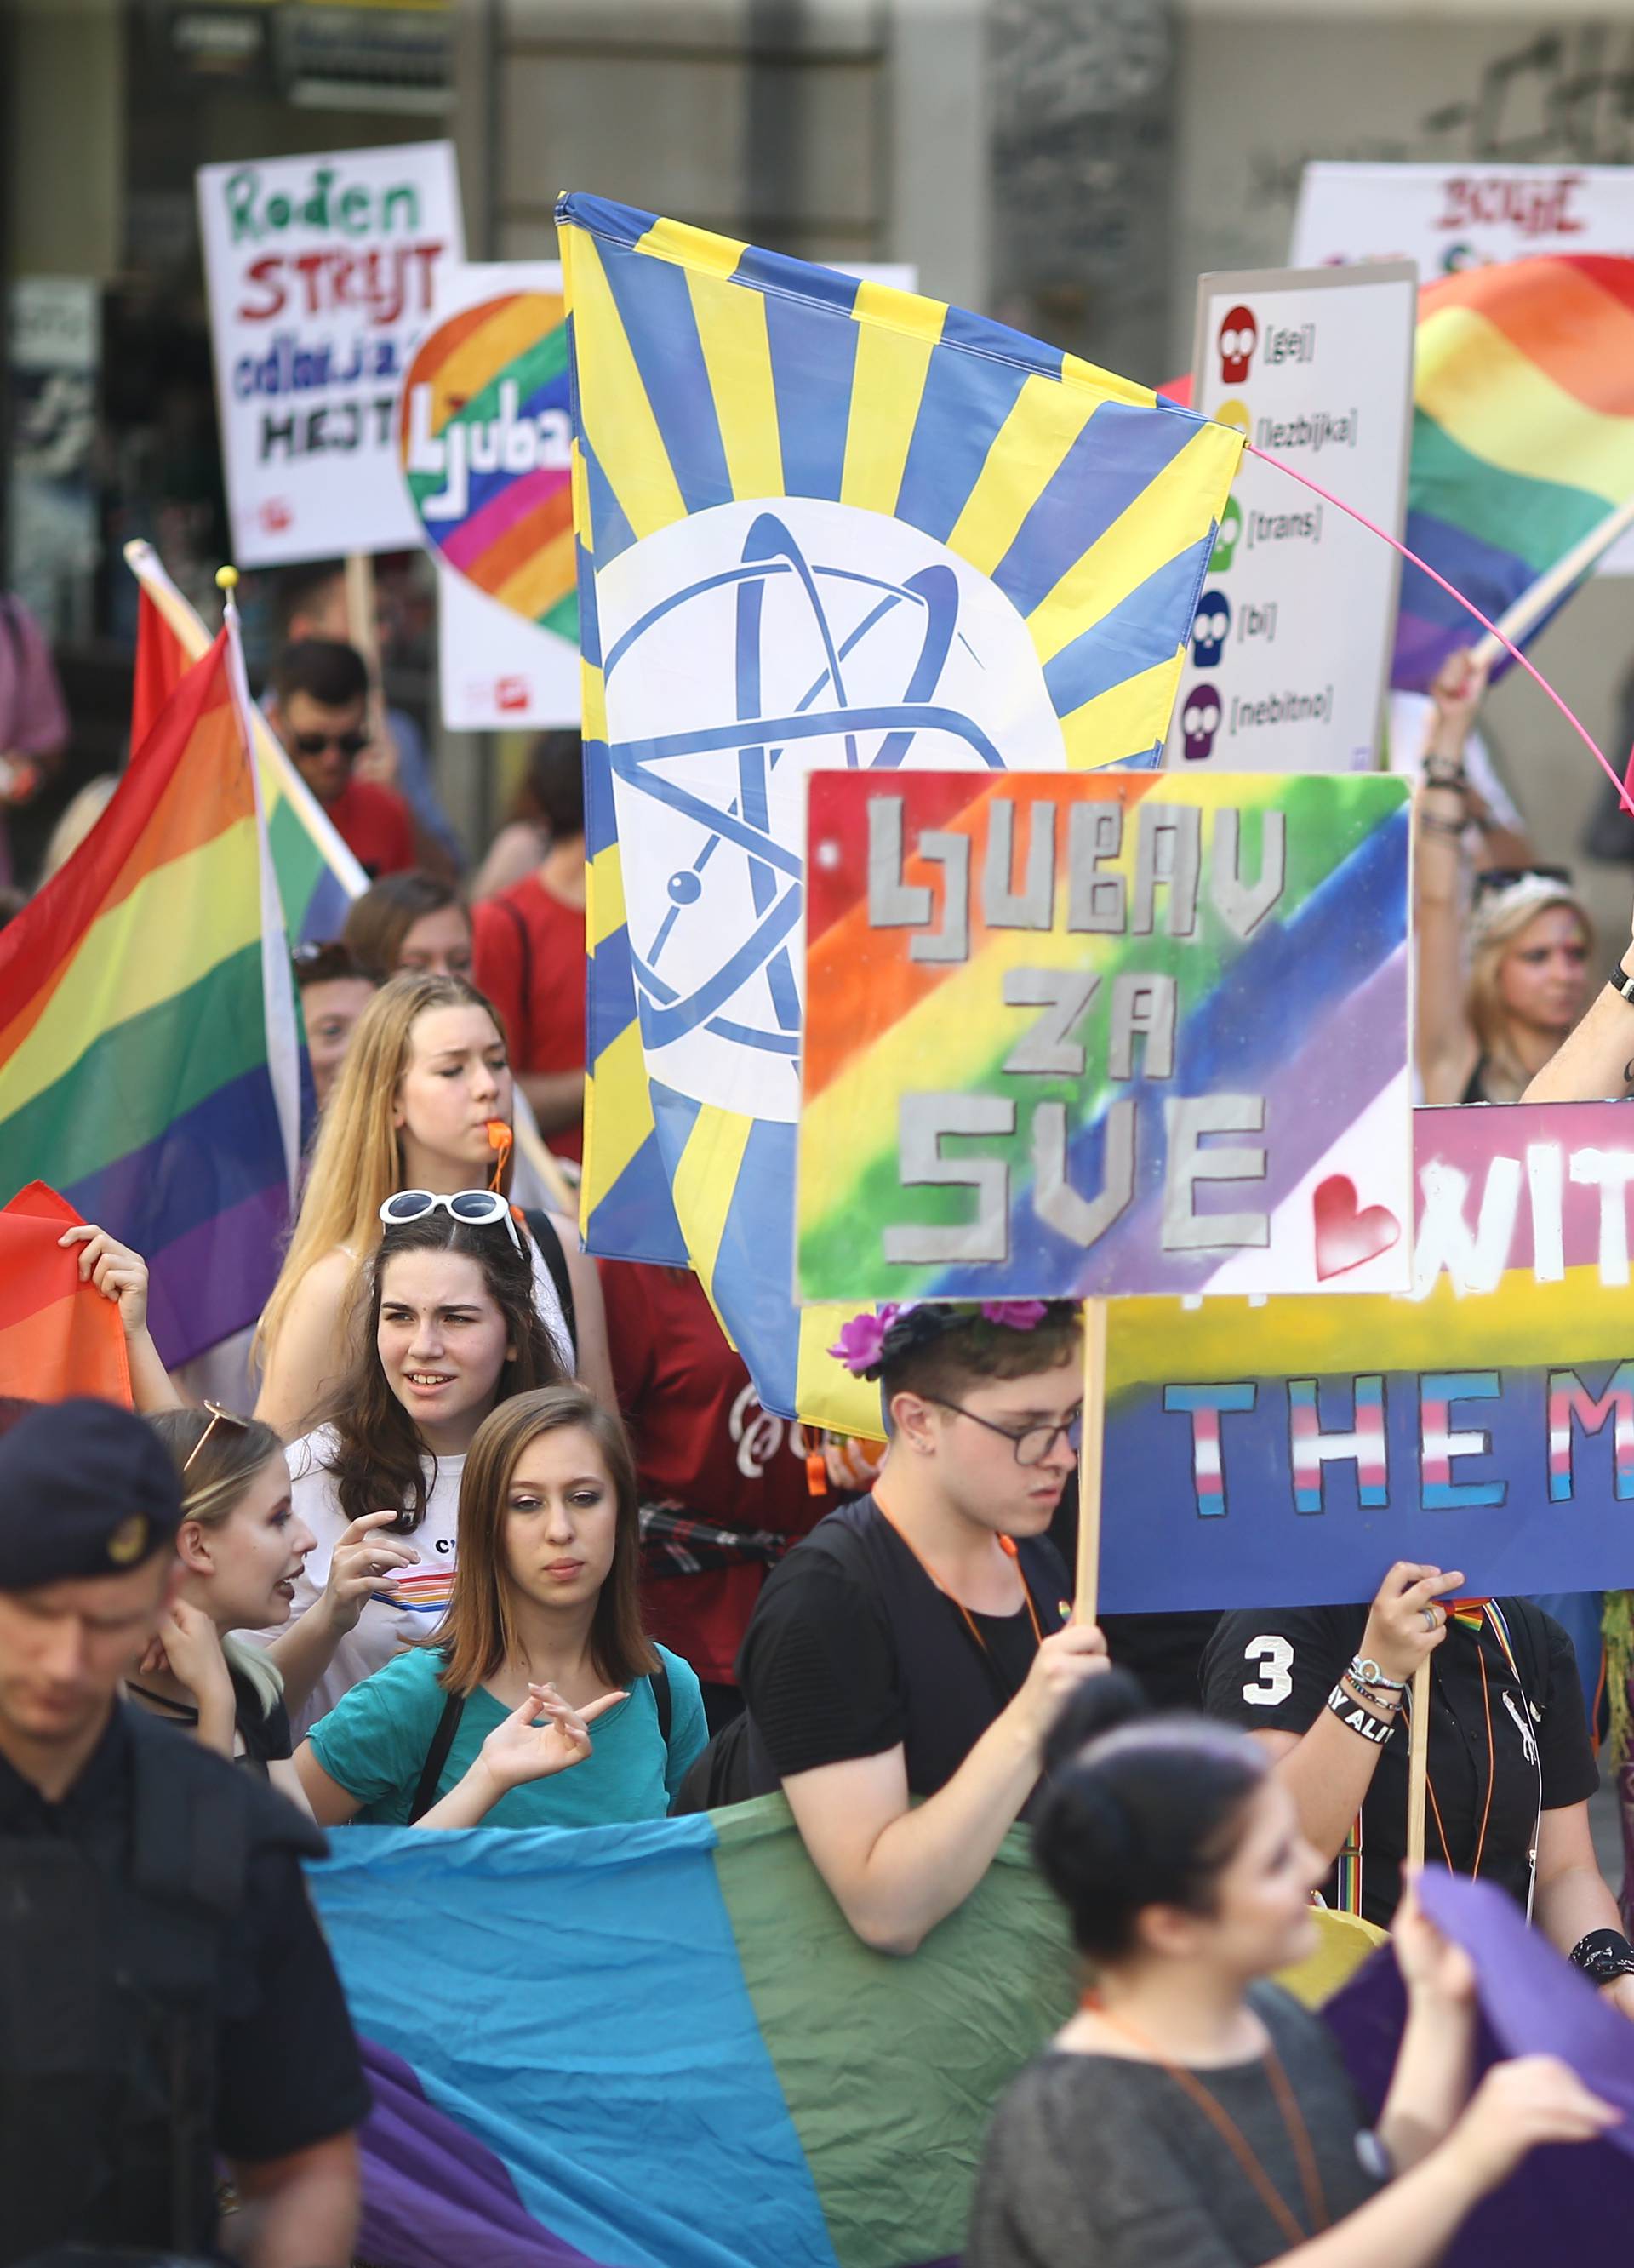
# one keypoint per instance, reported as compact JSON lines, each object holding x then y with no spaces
{"x":1006,"y":1544}
{"x":1226,"y":2127}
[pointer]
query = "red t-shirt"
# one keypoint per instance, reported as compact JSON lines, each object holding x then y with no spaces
{"x":373,"y":822}
{"x":528,"y":956}
{"x":702,"y":1441}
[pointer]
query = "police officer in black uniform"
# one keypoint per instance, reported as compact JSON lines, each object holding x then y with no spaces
{"x":166,"y":1995}
{"x":1511,"y":1770}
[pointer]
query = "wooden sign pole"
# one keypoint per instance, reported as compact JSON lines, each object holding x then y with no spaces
{"x":1086,"y":1592}
{"x":1417,"y":1765}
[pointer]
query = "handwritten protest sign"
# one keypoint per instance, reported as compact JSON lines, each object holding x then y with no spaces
{"x":1103,"y":1033}
{"x":1288,"y":1452}
{"x":322,"y":274}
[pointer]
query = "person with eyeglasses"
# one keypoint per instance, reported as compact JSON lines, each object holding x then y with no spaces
{"x":318,"y":705}
{"x":450,"y":1331}
{"x":1485,"y":1029}
{"x":904,"y":1664}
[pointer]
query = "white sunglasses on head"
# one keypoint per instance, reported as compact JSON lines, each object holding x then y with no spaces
{"x":474,"y":1208}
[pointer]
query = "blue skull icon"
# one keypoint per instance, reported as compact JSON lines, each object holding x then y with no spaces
{"x":1208,"y":631}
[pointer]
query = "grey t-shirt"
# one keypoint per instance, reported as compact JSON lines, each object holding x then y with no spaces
{"x":1099,"y":2161}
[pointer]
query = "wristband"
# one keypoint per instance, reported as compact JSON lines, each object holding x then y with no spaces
{"x":1360,"y":1719}
{"x":1432,"y":825}
{"x":1622,"y":983}
{"x":1603,"y":1954}
{"x":1364,"y":1670}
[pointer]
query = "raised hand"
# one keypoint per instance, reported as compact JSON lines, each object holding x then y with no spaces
{"x":361,"y":1566}
{"x":118,"y":1273}
{"x":521,"y":1749}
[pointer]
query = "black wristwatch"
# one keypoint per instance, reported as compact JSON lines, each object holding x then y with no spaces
{"x":1604,"y":1956}
{"x":1622,"y":983}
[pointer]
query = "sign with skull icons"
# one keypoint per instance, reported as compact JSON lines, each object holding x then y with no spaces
{"x":1290,"y":636}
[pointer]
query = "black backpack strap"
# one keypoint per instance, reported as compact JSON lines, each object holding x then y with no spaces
{"x":526,"y":945}
{"x":662,"y":1700}
{"x":436,"y":1757}
{"x":542,"y":1229}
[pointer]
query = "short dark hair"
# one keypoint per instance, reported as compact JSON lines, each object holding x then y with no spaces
{"x":326,"y":670}
{"x":327,"y":964}
{"x":556,"y":783}
{"x":971,"y":1351}
{"x":388,"y":910}
{"x":1138,"y":1810}
{"x":300,"y":589}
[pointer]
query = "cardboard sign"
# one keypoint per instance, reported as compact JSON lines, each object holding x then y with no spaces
{"x":1093,"y":1033}
{"x":323,"y":273}
{"x":1291,"y":643}
{"x":1287,"y":1453}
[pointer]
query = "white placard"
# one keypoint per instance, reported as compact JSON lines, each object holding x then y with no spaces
{"x":323,"y":273}
{"x":1463,"y":215}
{"x":1286,"y":662}
{"x":499,"y":672}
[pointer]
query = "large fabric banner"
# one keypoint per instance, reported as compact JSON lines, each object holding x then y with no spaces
{"x":822,"y":523}
{"x":1287,"y":1452}
{"x":1109,"y":1035}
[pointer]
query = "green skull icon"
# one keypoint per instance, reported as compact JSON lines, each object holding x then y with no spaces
{"x":1229,"y":536}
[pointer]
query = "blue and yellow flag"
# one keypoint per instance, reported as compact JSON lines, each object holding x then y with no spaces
{"x":821,"y":524}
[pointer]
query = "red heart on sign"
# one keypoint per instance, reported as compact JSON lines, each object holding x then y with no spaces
{"x":1345,"y":1236}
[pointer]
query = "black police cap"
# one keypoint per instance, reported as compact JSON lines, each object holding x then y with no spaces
{"x":86,"y":1489}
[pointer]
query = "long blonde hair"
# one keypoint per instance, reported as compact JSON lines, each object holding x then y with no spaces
{"x":1495,"y":925}
{"x":357,"y":1158}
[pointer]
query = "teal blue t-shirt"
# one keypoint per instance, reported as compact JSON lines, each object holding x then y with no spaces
{"x":373,"y":1743}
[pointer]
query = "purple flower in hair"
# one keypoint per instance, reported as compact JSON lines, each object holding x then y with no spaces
{"x":1016,"y":1314}
{"x":862,"y":1340}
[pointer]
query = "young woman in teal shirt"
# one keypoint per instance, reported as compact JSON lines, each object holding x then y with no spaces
{"x":541,"y":1702}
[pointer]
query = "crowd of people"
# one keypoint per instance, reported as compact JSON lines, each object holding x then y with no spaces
{"x":503,"y":1537}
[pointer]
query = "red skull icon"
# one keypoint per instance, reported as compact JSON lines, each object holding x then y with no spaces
{"x":1239,"y":335}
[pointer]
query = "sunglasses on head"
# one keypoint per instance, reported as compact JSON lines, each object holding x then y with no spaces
{"x":217,"y":1416}
{"x":314,"y":744}
{"x":476,"y":1208}
{"x":1492,"y":880}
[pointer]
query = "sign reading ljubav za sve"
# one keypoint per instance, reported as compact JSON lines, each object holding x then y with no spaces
{"x":1098,"y":1034}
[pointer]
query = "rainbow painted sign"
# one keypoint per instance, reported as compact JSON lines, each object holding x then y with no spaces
{"x":485,"y":439}
{"x":1075,"y":1035}
{"x":1287,"y":1451}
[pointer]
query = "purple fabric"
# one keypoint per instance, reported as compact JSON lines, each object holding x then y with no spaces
{"x":433,"y":2194}
{"x":1564,"y":2203}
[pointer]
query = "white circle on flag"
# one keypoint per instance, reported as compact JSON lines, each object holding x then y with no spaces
{"x":743,"y":647}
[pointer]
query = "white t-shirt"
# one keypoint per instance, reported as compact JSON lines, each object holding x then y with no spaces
{"x":382,"y":1630}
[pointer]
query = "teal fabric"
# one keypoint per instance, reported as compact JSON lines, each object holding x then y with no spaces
{"x":374,"y":1745}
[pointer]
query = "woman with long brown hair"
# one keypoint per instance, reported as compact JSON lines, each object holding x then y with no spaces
{"x":450,"y":1331}
{"x":544,"y":1621}
{"x":424,"y":1077}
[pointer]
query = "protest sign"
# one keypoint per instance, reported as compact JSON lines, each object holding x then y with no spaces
{"x":1451,"y":217}
{"x":1287,"y":661}
{"x":1288,"y":1453}
{"x":322,"y":274}
{"x":1098,"y":1034}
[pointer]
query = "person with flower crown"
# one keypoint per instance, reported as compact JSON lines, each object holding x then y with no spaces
{"x":906,"y":1662}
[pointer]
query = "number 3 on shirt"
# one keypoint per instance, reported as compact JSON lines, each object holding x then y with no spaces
{"x":1273,"y":1684}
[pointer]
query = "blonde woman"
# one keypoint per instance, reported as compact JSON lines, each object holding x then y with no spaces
{"x":425,"y":1075}
{"x":1488,"y":1027}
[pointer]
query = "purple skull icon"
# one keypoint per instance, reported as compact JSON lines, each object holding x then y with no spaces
{"x":1199,"y":721}
{"x":1209,"y":630}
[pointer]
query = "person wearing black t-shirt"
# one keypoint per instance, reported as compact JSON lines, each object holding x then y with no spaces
{"x":1510,"y":1767}
{"x":918,"y":1643}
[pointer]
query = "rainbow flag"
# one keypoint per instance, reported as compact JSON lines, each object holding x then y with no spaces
{"x":317,"y":877}
{"x":58,"y":1336}
{"x":1523,"y":437}
{"x":484,"y":394}
{"x":821,"y":522}
{"x":148,"y":1063}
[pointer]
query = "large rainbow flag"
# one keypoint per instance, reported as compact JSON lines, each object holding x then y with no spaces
{"x":148,"y":1063}
{"x":58,"y":1336}
{"x":821,"y":522}
{"x":1523,"y":437}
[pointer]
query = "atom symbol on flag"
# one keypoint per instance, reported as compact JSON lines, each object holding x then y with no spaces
{"x":826,"y":663}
